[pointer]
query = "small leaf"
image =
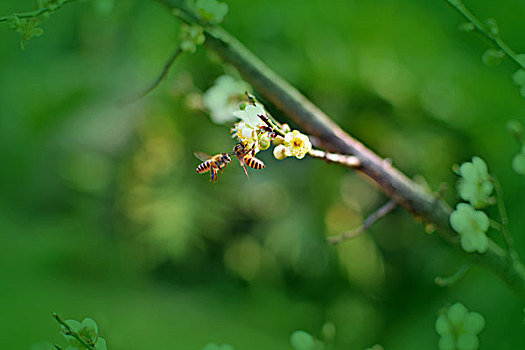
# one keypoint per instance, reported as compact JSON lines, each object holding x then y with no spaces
{"x":493,"y":57}
{"x":519,"y":77}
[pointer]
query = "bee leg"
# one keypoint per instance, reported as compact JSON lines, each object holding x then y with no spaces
{"x":245,"y":171}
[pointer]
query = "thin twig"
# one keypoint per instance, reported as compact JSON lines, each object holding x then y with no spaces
{"x":450,"y":280}
{"x":509,"y":242}
{"x":57,"y":347}
{"x":163,"y":74}
{"x":481,"y":28}
{"x":72,"y":333}
{"x":343,"y":159}
{"x":369,"y":221}
{"x":33,"y":14}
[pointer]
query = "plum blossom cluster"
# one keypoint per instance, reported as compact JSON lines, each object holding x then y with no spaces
{"x":458,"y":328}
{"x":256,"y":129}
{"x":475,"y":186}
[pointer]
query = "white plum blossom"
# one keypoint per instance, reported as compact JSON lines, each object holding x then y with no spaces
{"x":250,"y":115}
{"x":223,"y":98}
{"x":247,"y":129}
{"x":297,"y":144}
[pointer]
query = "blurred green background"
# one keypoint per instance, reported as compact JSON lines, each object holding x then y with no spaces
{"x":102,"y":214}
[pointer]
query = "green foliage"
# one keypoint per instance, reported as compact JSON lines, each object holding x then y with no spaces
{"x":475,"y":185}
{"x":211,"y":10}
{"x":191,"y":37}
{"x":458,"y":328}
{"x":471,"y":225}
{"x":493,"y":57}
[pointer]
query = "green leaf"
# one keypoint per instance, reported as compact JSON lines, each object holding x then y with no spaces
{"x":519,"y":77}
{"x":522,"y":90}
{"x":518,"y":163}
{"x":493,"y":57}
{"x":301,"y":340}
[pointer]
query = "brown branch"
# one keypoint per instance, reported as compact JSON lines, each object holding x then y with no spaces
{"x":367,"y":223}
{"x":343,"y":159}
{"x":390,"y":180}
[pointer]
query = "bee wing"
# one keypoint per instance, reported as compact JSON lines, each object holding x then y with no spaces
{"x":202,"y":155}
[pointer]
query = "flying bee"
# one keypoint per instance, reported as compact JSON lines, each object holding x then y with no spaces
{"x":246,"y":155}
{"x":212,"y":163}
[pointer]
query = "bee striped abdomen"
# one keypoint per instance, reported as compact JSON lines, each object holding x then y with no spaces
{"x":254,"y":163}
{"x":204,"y":166}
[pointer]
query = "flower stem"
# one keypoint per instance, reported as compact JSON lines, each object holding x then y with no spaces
{"x":33,"y":14}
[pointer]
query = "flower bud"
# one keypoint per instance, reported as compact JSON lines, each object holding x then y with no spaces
{"x":279,"y":152}
{"x":286,"y":128}
{"x":264,"y":141}
{"x":278,"y":140}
